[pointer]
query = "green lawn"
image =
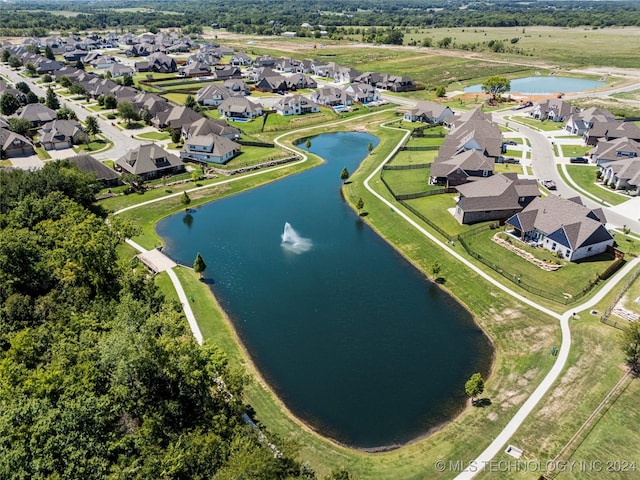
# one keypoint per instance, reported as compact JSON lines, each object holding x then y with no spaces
{"x":42,"y":153}
{"x":574,"y":150}
{"x":97,"y":144}
{"x":568,"y":281}
{"x":507,"y":168}
{"x":532,"y":122}
{"x":411,"y":157}
{"x":155,"y":136}
{"x":408,"y":181}
{"x":435,"y":208}
{"x":585,"y":177}
{"x":627,"y":244}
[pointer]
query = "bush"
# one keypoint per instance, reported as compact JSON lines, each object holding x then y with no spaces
{"x":111,"y":116}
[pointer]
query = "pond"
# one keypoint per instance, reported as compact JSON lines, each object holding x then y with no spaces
{"x":546,"y":84}
{"x":355,"y":341}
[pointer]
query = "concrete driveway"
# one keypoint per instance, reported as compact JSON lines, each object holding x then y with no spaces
{"x":32,"y":162}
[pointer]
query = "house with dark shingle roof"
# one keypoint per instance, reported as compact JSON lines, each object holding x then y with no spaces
{"x":15,"y":145}
{"x":494,"y":198}
{"x":553,"y":109}
{"x":175,"y":117}
{"x":295,"y":105}
{"x":332,"y":97}
{"x":212,"y":95}
{"x":209,"y":148}
{"x":624,"y":174}
{"x":37,"y":113}
{"x":88,"y":164}
{"x":60,"y":134}
{"x":206,"y":126}
{"x":458,"y":169}
{"x":564,"y":226}
{"x":609,"y":130}
{"x":239,"y":107}
{"x":578,"y":123}
{"x":612,"y":151}
{"x":428,"y":112}
{"x":149,"y":161}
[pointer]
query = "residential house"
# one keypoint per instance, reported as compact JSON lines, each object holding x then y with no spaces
{"x":241,"y":59}
{"x":195,"y":69}
{"x":273,"y":84}
{"x":118,"y":70}
{"x":564,"y":226}
{"x":295,"y":105}
{"x":458,"y":169}
{"x":428,"y":112}
{"x":553,"y":109}
{"x":285,"y":65}
{"x":494,"y":198}
{"x":47,"y":66}
{"x":578,"y":123}
{"x":345,"y":75}
{"x":37,"y":113}
{"x":149,"y":101}
{"x":212,"y":95}
{"x":15,"y":145}
{"x":86,"y":163}
{"x":331,"y":96}
{"x":206,"y":126}
{"x":614,"y":150}
{"x":239,"y":107}
{"x":161,"y":63}
{"x":395,"y":83}
{"x":225,"y":72}
{"x":298,"y":81}
{"x":149,"y":161}
{"x":209,"y":148}
{"x":623,"y":174}
{"x":363,"y":92}
{"x":175,"y":117}
{"x":610,"y":130}
{"x":264,"y":61}
{"x":236,"y":87}
{"x":60,"y":134}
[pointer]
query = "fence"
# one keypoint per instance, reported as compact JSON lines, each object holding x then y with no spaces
{"x":607,"y":313}
{"x":415,"y":166}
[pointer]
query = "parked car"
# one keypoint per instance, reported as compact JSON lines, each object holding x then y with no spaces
{"x":579,"y":160}
{"x":549,"y":184}
{"x":513,"y":161}
{"x":510,"y":142}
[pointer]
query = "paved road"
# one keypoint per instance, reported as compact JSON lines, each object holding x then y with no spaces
{"x":122,"y":141}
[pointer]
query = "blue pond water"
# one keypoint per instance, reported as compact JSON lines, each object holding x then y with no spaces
{"x":353,"y":338}
{"x":546,"y":84}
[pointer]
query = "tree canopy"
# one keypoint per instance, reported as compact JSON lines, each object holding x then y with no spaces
{"x":496,"y":86}
{"x":101,"y":376}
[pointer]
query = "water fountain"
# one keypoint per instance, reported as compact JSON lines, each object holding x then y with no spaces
{"x":293,"y":242}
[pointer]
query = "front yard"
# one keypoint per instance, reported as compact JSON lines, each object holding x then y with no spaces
{"x":585,"y":177}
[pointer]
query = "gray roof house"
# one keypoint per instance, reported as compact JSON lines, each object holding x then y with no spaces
{"x":236,"y":86}
{"x":578,"y":123}
{"x":149,"y":161}
{"x":206,"y":126}
{"x":37,"y":113}
{"x":332,"y":96}
{"x":295,"y":105}
{"x":175,"y":117}
{"x":363,"y":92}
{"x":610,"y":130}
{"x":428,"y":112}
{"x":624,"y":174}
{"x":212,"y":95}
{"x":209,"y":148}
{"x":494,"y":198}
{"x":457,"y":169}
{"x":239,"y":107}
{"x":88,"y":164}
{"x":564,"y":226}
{"x":554,"y":109}
{"x":15,"y":145}
{"x":60,"y":134}
{"x":614,"y":150}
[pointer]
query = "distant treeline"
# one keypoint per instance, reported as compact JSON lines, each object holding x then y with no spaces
{"x":272,"y":17}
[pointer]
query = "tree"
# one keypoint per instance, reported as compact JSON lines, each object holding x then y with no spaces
{"x":370,"y":147}
{"x":441,"y":91}
{"x":65,"y":113}
{"x":427,"y":42}
{"x":77,"y":89}
{"x":360,"y":204}
{"x":9,"y":104}
{"x":435,"y":269}
{"x":495,"y":86}
{"x":307,"y":144}
{"x":14,"y":62}
{"x":46,"y":78}
{"x":176,"y":135}
{"x":48,"y":53}
{"x":185,"y":199}
{"x":31,"y":69}
{"x":23,"y":87}
{"x":127,"y":80}
{"x":32,"y":98}
{"x":6,"y":54}
{"x":20,"y":126}
{"x":65,"y":81}
{"x":145,"y":116}
{"x":110,"y":102}
{"x":338,"y":474}
{"x":445,"y":42}
{"x":474,"y":387}
{"x":92,"y":126}
{"x":198,"y":265}
{"x":51,"y":99}
{"x":630,"y":342}
{"x":344,"y":174}
{"x":190,"y":102}
{"x":127,"y":111}
{"x":79,"y":65}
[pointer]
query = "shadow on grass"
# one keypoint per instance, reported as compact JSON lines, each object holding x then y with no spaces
{"x":482,"y":402}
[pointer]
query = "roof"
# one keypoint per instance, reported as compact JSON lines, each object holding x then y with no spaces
{"x":566,"y":221}
{"x":207,"y":125}
{"x":37,"y":112}
{"x":148,"y":158}
{"x":498,"y":192}
{"x":219,"y":146}
{"x":88,"y":164}
{"x":470,"y":160}
{"x":61,"y":129}
{"x":239,"y":105}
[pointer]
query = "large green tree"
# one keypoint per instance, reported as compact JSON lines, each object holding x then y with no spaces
{"x":51,"y":99}
{"x":127,"y":111}
{"x":630,"y":342}
{"x":496,"y":86}
{"x":92,"y":126}
{"x":9,"y":104}
{"x":474,"y":387}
